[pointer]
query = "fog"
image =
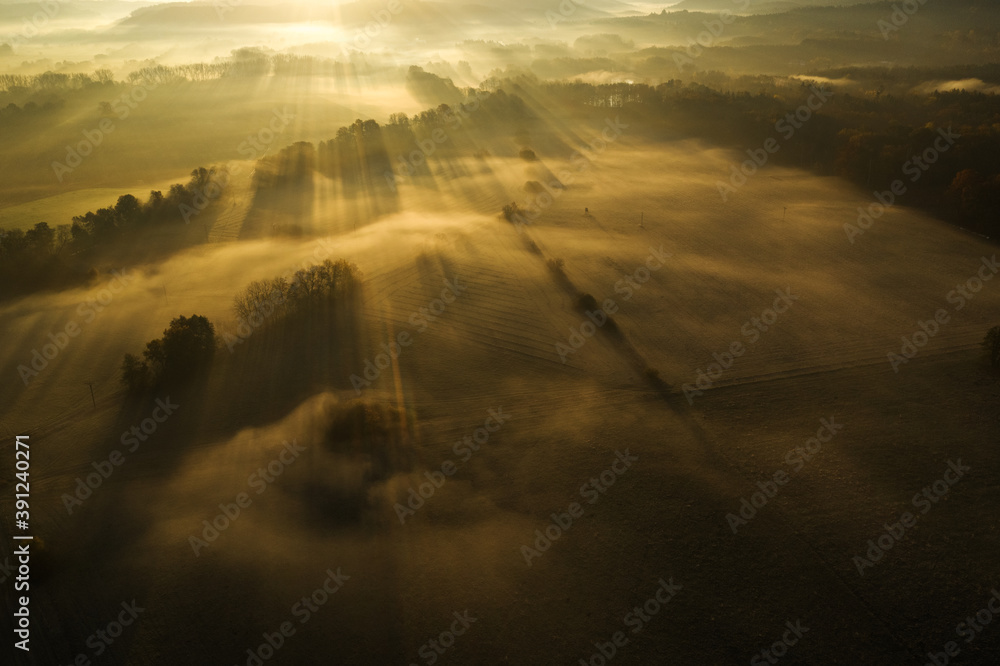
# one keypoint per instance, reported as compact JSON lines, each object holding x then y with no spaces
{"x":443,"y":332}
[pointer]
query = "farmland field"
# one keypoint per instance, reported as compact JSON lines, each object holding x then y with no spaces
{"x":520,"y":351}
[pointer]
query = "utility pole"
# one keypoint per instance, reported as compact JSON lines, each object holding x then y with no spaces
{"x":91,"y":385}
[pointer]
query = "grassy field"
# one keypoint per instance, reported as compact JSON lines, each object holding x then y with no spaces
{"x":495,"y":347}
{"x":61,"y":208}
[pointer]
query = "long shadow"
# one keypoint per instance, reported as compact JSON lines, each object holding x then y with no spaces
{"x":585,"y":304}
{"x":280,"y":364}
{"x":262,"y":380}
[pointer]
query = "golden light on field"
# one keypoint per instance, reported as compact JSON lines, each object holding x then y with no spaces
{"x":490,"y":333}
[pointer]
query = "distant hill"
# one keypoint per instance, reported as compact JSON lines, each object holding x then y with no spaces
{"x":414,"y":12}
{"x":761,"y":6}
{"x":15,"y":14}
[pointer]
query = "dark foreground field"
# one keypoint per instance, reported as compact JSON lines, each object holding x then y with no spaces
{"x":567,"y":509}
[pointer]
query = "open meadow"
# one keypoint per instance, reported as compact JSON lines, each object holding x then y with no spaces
{"x":457,"y":356}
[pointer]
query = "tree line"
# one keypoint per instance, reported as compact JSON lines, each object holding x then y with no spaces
{"x":864,"y":137}
{"x":367,"y":155}
{"x":46,"y":257}
{"x":188,"y":345}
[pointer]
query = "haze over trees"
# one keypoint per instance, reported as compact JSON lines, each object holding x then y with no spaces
{"x":185,"y":351}
{"x":691,"y":299}
{"x":45,"y":257}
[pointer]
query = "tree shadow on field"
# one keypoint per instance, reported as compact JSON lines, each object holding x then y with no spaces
{"x":279,"y":364}
{"x":289,"y":204}
{"x":434,"y":270}
{"x":604,"y":323}
{"x":268,"y":374}
{"x":152,"y":433}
